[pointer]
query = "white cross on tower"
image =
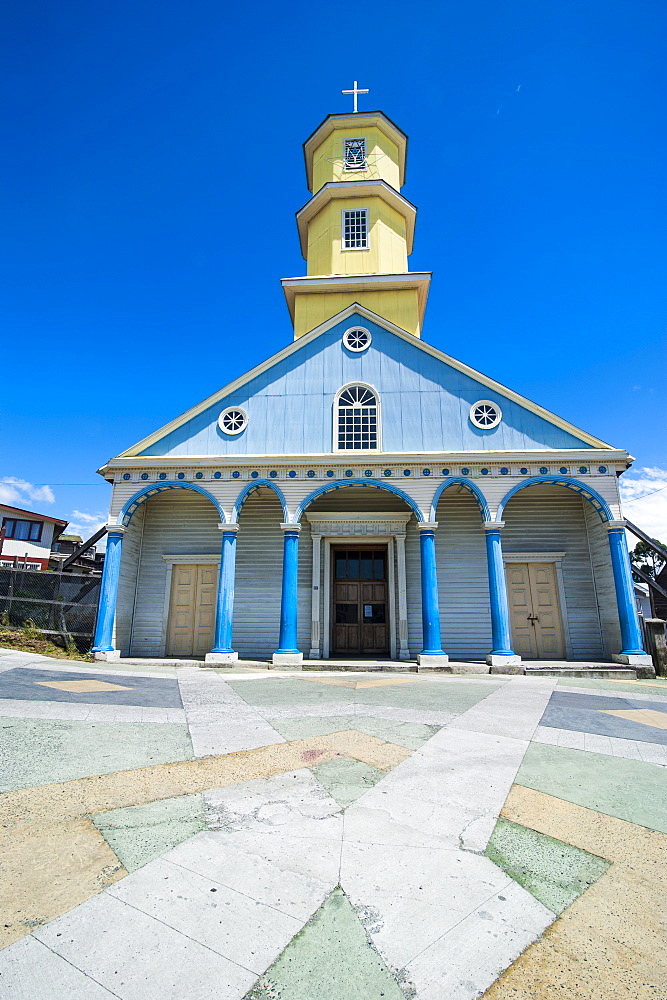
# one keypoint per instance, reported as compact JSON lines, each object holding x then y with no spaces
{"x":355,"y":93}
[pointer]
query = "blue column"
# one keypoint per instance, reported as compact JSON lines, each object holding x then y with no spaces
{"x":500,"y":613}
{"x":631,"y":638}
{"x":429,"y":580}
{"x":224,"y":612}
{"x":109,"y":590}
{"x":288,"y":599}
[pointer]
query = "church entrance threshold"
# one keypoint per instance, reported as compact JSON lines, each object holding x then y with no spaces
{"x":359,"y":593}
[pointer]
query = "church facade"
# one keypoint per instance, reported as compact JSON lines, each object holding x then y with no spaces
{"x":360,"y":493}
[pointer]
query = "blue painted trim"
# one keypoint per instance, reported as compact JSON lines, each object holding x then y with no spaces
{"x":288,"y":597}
{"x":108,"y":593}
{"x":593,"y":497}
{"x":340,"y":483}
{"x":224,"y":612}
{"x":631,"y":637}
{"x":247,"y":490}
{"x":430,"y":607}
{"x":151,"y":490}
{"x":500,"y":612}
{"x":469,"y":485}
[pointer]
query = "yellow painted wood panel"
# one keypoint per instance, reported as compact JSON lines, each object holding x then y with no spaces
{"x":382,"y":158}
{"x":399,"y":306}
{"x":191,"y":627}
{"x":537,"y":629}
{"x":388,"y":240}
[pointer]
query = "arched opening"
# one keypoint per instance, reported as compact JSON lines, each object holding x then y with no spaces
{"x":256,"y":487}
{"x":359,"y":546}
{"x":559,"y":575}
{"x":168,"y":574}
{"x":259,"y":562}
{"x":463,"y":577}
{"x":357,"y":424}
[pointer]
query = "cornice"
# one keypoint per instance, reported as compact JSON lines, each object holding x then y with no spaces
{"x":323,"y":283}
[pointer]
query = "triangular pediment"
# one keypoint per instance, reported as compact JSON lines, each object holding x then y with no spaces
{"x":291,"y":395}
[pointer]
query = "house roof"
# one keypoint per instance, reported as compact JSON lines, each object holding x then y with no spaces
{"x":362,"y":311}
{"x":31,"y":513}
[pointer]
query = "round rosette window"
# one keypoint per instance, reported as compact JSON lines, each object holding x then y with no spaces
{"x":485,"y":414}
{"x":357,"y":339}
{"x":233,"y":420}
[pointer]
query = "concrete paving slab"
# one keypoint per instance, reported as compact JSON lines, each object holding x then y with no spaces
{"x":242,"y":929}
{"x":514,"y":710}
{"x":231,"y":737}
{"x":34,"y":685}
{"x":138,"y":834}
{"x":269,"y":869}
{"x":463,"y":963}
{"x":294,"y":803}
{"x":405,"y":734}
{"x":138,"y":957}
{"x":31,"y":971}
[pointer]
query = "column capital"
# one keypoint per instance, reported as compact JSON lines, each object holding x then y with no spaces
{"x":117,"y":529}
{"x":228,"y":528}
{"x":616,"y":525}
{"x":291,"y":527}
{"x":493,"y":525}
{"x":427,"y":525}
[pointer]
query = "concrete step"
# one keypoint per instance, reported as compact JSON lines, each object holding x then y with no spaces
{"x":618,"y":673}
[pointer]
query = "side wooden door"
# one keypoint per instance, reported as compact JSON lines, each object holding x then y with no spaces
{"x":191,"y":626}
{"x":537,"y":628}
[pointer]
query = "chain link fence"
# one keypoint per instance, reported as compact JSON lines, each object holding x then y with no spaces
{"x":60,"y":604}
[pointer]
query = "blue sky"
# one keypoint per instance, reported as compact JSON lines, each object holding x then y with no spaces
{"x":153,"y":166}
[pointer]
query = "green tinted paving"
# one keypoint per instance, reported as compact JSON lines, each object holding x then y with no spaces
{"x":446,"y":696}
{"x":41,"y":751}
{"x":138,"y":834}
{"x":554,"y":872}
{"x":629,"y":789}
{"x":330,"y":959}
{"x":346,"y":779}
{"x":656,"y":686}
{"x":405,"y":734}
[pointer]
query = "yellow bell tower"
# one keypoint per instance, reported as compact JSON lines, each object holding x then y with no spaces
{"x":357,"y":229}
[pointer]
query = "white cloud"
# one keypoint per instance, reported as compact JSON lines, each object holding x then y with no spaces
{"x":644,"y":494}
{"x":18,"y":492}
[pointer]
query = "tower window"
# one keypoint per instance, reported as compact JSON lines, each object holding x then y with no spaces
{"x":354,"y":154}
{"x":355,"y":229}
{"x":356,"y":426}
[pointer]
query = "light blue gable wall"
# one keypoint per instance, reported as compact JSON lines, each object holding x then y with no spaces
{"x":425,"y":405}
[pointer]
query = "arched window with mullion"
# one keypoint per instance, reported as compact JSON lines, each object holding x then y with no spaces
{"x":357,"y":419}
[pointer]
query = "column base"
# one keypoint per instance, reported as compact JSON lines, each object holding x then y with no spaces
{"x":108,"y":656}
{"x":433,"y":661}
{"x":287,"y":659}
{"x":404,"y":654}
{"x":314,"y":654}
{"x":213,"y":658}
{"x":641,"y":661}
{"x":504,"y":663}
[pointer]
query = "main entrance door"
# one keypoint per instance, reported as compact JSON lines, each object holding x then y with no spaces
{"x":191,"y":629}
{"x":537,"y":629}
{"x":360,"y":609}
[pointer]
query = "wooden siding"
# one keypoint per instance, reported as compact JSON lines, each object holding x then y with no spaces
{"x":425,"y":405}
{"x":127,"y":582}
{"x":463,"y":581}
{"x":382,"y":158}
{"x":259,"y":561}
{"x":598,"y":541}
{"x":176,"y":522}
{"x":386,"y":253}
{"x":552,"y":519}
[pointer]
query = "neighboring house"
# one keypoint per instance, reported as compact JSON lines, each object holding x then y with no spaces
{"x":389,"y":500}
{"x":90,"y":561}
{"x":28,"y":537}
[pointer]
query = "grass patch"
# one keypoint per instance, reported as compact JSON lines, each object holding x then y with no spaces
{"x":30,"y":639}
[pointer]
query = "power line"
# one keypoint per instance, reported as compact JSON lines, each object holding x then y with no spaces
{"x":652,"y":493}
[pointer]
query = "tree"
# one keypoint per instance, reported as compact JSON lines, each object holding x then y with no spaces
{"x":644,"y":557}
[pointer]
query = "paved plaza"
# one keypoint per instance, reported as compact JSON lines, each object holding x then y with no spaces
{"x":178,"y":832}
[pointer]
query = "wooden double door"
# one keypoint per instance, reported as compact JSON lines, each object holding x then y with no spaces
{"x":537,"y":628}
{"x":191,"y":628}
{"x":360,"y":612}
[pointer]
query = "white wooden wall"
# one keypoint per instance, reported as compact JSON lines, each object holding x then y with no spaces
{"x":127,"y":583}
{"x":551,"y":519}
{"x":598,"y":540}
{"x":176,"y":522}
